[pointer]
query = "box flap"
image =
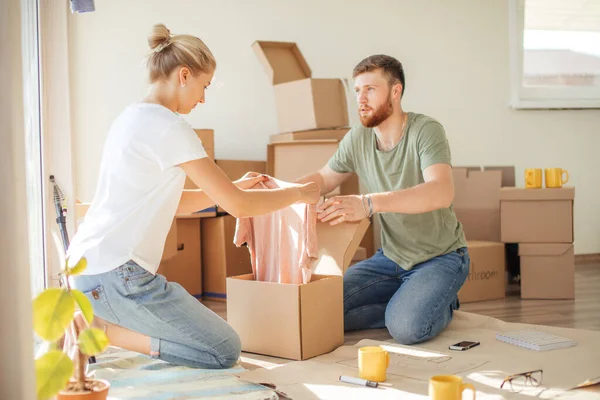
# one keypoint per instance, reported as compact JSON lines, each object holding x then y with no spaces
{"x":508,"y":174}
{"x":337,"y":245}
{"x":544,"y":249}
{"x":477,"y":244}
{"x":283,"y":62}
{"x":476,"y":189}
{"x":565,"y":193}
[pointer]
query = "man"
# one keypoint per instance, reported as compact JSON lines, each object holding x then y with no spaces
{"x":410,"y":285}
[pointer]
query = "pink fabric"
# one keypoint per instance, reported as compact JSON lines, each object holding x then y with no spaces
{"x":283,"y":243}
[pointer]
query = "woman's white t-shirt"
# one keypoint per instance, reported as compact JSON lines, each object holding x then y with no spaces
{"x":139,"y":189}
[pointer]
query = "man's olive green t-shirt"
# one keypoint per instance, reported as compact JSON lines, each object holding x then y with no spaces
{"x":407,"y":239}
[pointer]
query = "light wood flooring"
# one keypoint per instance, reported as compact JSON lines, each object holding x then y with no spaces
{"x":581,"y":313}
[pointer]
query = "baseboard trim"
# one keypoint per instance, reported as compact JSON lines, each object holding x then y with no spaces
{"x":587,"y":258}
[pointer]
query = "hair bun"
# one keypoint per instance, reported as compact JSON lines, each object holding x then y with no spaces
{"x":160,"y":36}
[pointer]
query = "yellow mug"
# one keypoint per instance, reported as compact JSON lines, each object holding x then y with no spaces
{"x":533,"y":178}
{"x":373,"y":362}
{"x":448,"y":387}
{"x":554,"y":177}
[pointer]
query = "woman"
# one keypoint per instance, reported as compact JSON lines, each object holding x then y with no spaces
{"x":148,"y":153}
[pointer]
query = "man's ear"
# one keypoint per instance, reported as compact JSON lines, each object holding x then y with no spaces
{"x":397,"y":90}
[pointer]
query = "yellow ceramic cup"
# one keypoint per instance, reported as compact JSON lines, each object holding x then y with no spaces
{"x":448,"y":387}
{"x":554,"y":177}
{"x":533,"y":178}
{"x":373,"y":362}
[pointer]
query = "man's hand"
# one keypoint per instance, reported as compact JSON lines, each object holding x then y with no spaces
{"x":340,"y":209}
{"x":250,"y":179}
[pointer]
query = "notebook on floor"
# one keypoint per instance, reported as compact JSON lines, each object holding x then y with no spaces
{"x":535,"y":340}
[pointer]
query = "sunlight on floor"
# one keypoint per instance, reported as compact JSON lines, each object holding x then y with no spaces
{"x":260,"y":363}
{"x":355,"y":392}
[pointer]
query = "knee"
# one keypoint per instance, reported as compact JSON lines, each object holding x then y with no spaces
{"x":228,"y":352}
{"x":407,"y":329}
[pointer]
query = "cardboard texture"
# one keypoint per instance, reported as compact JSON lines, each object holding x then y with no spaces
{"x":207,"y":136}
{"x":235,"y":169}
{"x":315,"y":134}
{"x":368,"y":240}
{"x":547,"y":271}
{"x":537,"y":215}
{"x":303,"y":103}
{"x":296,"y":321}
{"x":289,"y":161}
{"x":342,"y":241}
{"x":508,"y":174}
{"x":487,"y":278}
{"x":221,"y":258}
{"x":284,"y":320}
{"x":170,"y":249}
{"x":185,"y":267}
{"x":477,"y":202}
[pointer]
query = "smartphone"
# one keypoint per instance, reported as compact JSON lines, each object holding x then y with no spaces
{"x":464,"y":345}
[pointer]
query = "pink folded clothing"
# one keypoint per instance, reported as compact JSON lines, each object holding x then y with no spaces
{"x":283,"y":243}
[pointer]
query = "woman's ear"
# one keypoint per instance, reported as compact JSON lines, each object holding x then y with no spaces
{"x":184,"y":74}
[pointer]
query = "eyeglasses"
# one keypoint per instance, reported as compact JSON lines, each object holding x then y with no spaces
{"x":518,"y":382}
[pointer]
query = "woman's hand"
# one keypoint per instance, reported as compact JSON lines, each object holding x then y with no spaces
{"x":339,"y":209}
{"x":250,"y":179}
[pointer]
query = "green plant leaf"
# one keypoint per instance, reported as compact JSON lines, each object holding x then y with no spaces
{"x":84,"y":305}
{"x":52,"y":372}
{"x":52,"y":312}
{"x":78,"y":268}
{"x":92,"y":341}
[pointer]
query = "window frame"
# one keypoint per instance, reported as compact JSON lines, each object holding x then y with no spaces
{"x":540,"y":97}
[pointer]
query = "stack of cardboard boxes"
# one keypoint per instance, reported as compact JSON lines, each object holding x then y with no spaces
{"x":312,"y":116}
{"x":477,"y":207}
{"x":541,"y":222}
{"x":495,"y":215}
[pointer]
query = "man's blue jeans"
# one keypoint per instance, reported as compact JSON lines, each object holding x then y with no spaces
{"x":414,"y":305}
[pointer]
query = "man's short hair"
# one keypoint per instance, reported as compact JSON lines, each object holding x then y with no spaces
{"x":390,"y":66}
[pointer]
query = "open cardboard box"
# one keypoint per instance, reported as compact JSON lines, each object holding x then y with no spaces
{"x":296,"y":321}
{"x":302,"y":102}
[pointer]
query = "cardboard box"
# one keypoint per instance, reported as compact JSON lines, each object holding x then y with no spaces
{"x":170,"y":249}
{"x":487,"y":277}
{"x":207,"y":136}
{"x":235,"y":169}
{"x":289,"y":161}
{"x":302,"y":102}
{"x":537,"y":215}
{"x":477,"y":202}
{"x":294,"y":321}
{"x":368,"y":240}
{"x":185,"y":267}
{"x":547,"y":271}
{"x":315,"y":134}
{"x":508,"y":174}
{"x":221,"y":258}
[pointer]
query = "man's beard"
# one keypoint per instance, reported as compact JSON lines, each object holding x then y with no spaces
{"x":378,"y":116}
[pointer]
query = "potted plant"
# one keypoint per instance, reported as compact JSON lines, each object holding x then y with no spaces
{"x":54,"y":315}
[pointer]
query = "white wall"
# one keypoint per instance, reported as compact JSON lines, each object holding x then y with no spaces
{"x":455,"y":56}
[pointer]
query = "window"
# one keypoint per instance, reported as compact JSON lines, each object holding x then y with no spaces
{"x":33,"y":143}
{"x":555,"y":53}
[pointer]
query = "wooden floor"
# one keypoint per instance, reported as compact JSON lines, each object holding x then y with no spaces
{"x":581,"y":313}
